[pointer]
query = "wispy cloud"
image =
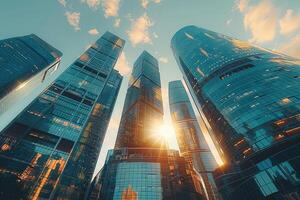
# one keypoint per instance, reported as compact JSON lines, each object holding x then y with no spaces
{"x":241,"y":5}
{"x":260,"y":20}
{"x":94,"y":4}
{"x":289,"y":23}
{"x":62,"y":2}
{"x":292,"y":47}
{"x":117,"y":22}
{"x":155,"y":35}
{"x":163,"y":60}
{"x":139,"y":32}
{"x":144,"y":3}
{"x":122,"y":65}
{"x":73,"y":19}
{"x":111,"y":8}
{"x":93,"y":31}
{"x":228,"y":22}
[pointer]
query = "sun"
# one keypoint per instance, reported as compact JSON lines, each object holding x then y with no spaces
{"x":166,"y":131}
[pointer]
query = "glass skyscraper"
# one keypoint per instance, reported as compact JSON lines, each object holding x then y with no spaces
{"x":27,"y":64}
{"x":141,"y":166}
{"x":143,"y":109}
{"x":63,"y":126}
{"x":190,"y":139}
{"x":249,"y":99}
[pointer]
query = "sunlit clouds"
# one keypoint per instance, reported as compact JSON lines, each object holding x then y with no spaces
{"x":94,"y":4}
{"x":111,"y":7}
{"x":146,"y":3}
{"x":290,"y":22}
{"x":242,"y":5}
{"x":93,"y":31}
{"x":73,"y":19}
{"x":292,"y":48}
{"x":122,"y":65}
{"x":62,"y":2}
{"x":117,"y":22}
{"x":261,"y":21}
{"x":139,"y":32}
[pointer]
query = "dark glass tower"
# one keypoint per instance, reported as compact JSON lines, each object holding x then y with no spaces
{"x":143,"y":109}
{"x":27,"y":64}
{"x":190,"y":139}
{"x":249,"y":99}
{"x":64,"y":125}
{"x":141,"y":166}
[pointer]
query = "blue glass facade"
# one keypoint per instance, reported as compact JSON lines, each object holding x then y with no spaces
{"x":39,"y":149}
{"x":26,"y":63}
{"x":141,"y":166}
{"x":143,"y":110}
{"x":249,"y":99}
{"x":190,"y":139}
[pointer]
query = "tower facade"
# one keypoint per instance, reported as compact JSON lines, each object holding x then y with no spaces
{"x":248,"y":99}
{"x":190,"y":139}
{"x":39,"y":148}
{"x":27,"y":66}
{"x":143,"y":110}
{"x":141,"y":166}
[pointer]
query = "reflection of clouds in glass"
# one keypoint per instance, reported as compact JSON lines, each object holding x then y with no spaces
{"x":239,"y":44}
{"x":189,"y":36}
{"x":210,"y":36}
{"x":203,"y":52}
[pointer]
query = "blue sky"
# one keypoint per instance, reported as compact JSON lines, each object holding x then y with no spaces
{"x":72,"y":25}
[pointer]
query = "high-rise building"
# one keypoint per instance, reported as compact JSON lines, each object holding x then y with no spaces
{"x":249,"y":99}
{"x":27,"y":66}
{"x":143,"y":109}
{"x":65,"y":124}
{"x":191,"y":141}
{"x":141,"y":166}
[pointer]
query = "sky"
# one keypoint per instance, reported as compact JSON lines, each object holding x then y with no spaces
{"x":72,"y":25}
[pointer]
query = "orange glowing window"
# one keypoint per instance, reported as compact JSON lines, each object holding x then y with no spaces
{"x":285,"y":100}
{"x":5,"y":147}
{"x":239,"y":142}
{"x":280,"y":122}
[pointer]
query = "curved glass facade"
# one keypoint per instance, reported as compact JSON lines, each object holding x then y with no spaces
{"x":39,"y":149}
{"x":190,"y":139}
{"x":249,"y":98}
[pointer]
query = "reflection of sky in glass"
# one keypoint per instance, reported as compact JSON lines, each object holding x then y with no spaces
{"x":144,"y":178}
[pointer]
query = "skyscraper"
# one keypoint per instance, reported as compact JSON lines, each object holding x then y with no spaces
{"x":141,"y":166}
{"x":27,"y":64}
{"x":143,"y":109}
{"x":249,"y":99}
{"x":65,"y":124}
{"x":190,"y":139}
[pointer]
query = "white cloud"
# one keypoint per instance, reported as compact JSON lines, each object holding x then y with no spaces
{"x":242,"y":5}
{"x":163,"y":60}
{"x":155,"y":35}
{"x":111,"y":8}
{"x":62,"y":2}
{"x":289,"y":23}
{"x":261,"y":21}
{"x":73,"y":19}
{"x":228,"y":22}
{"x":292,"y":47}
{"x":122,"y":65}
{"x":139,"y":32}
{"x":117,"y":22}
{"x":93,"y":31}
{"x":92,"y":3}
{"x":144,"y":3}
